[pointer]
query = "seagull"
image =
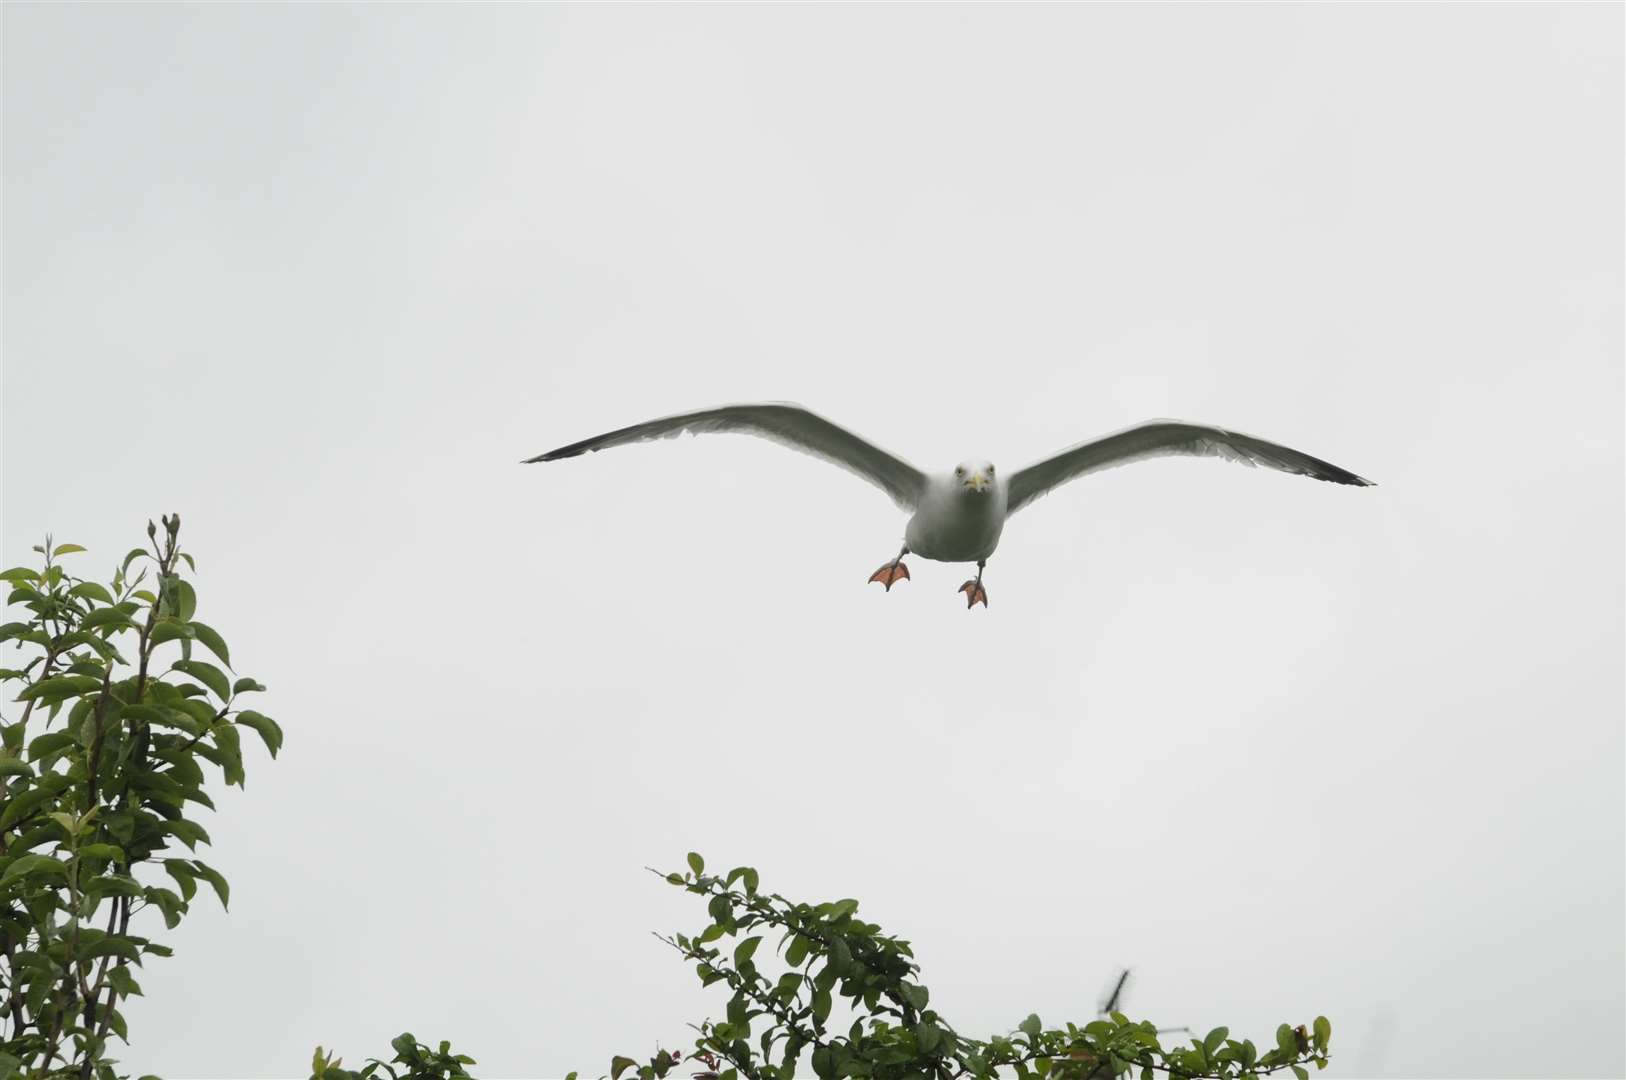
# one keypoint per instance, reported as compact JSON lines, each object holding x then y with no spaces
{"x":957,"y":516}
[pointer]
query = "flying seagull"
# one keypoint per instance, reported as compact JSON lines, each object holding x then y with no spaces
{"x":958,"y":516}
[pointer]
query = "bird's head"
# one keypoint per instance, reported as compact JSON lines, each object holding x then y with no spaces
{"x":975,"y":477}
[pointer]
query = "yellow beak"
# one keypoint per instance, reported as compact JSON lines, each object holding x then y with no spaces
{"x":976,"y":481}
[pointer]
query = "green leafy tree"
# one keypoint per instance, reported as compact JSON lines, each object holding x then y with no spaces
{"x":783,"y":1012}
{"x":783,"y":1008}
{"x":413,"y":1061}
{"x":125,"y":705}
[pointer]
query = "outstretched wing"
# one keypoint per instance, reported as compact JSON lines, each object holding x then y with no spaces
{"x":784,"y":423}
{"x":1159,"y":438}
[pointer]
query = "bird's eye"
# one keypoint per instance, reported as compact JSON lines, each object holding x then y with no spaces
{"x":958,"y":471}
{"x":990,"y":470}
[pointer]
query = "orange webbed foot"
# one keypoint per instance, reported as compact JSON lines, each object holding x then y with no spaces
{"x":974,"y":594}
{"x":890,"y":574}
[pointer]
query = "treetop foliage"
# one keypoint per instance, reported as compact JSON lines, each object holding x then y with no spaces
{"x":128,"y":703}
{"x":782,"y":1001}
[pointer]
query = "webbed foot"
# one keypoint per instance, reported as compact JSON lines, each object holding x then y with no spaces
{"x":974,"y":594}
{"x":890,"y":574}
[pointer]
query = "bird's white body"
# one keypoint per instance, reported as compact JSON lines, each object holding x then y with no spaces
{"x":956,"y":523}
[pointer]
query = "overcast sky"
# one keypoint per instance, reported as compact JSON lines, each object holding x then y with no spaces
{"x":318,"y":277}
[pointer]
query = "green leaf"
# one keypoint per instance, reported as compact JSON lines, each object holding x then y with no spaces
{"x":107,"y":616}
{"x":821,"y":1004}
{"x":186,"y":600}
{"x":101,"y":851}
{"x":20,"y":573}
{"x":34,"y":837}
{"x":168,"y":630}
{"x":89,"y":590}
{"x":1301,"y":1072}
{"x":212,"y":641}
{"x":65,"y":549}
{"x":231,"y":752}
{"x":697,"y":864}
{"x":119,"y":975}
{"x":10,"y":766}
{"x":1285,"y":1041}
{"x":213,"y":877}
{"x":1032,"y":1026}
{"x":102,"y":646}
{"x":112,"y":945}
{"x":243,"y":686}
{"x":116,"y":1021}
{"x":744,"y":950}
{"x":267,"y":728}
{"x":1323,"y":1033}
{"x":164,"y":717}
{"x":184,"y":876}
{"x":28,"y":865}
{"x":60,"y":688}
{"x":207,"y":674}
{"x":796,"y":952}
{"x":187,"y":832}
{"x":49,"y":743}
{"x":1213,"y":1040}
{"x":20,"y":807}
{"x":619,"y":1064}
{"x":113,"y":885}
{"x":199,"y":710}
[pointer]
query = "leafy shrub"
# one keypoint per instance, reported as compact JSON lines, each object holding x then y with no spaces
{"x":122,"y":719}
{"x":417,"y":1062}
{"x":827,"y":953}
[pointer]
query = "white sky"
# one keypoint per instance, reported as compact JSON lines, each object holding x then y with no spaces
{"x":317,"y":277}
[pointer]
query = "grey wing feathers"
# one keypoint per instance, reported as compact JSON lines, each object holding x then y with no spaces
{"x":781,"y":422}
{"x":1157,"y":438}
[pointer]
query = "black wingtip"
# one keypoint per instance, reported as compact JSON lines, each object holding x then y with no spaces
{"x":552,"y":455}
{"x":575,"y":449}
{"x":1332,"y":474}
